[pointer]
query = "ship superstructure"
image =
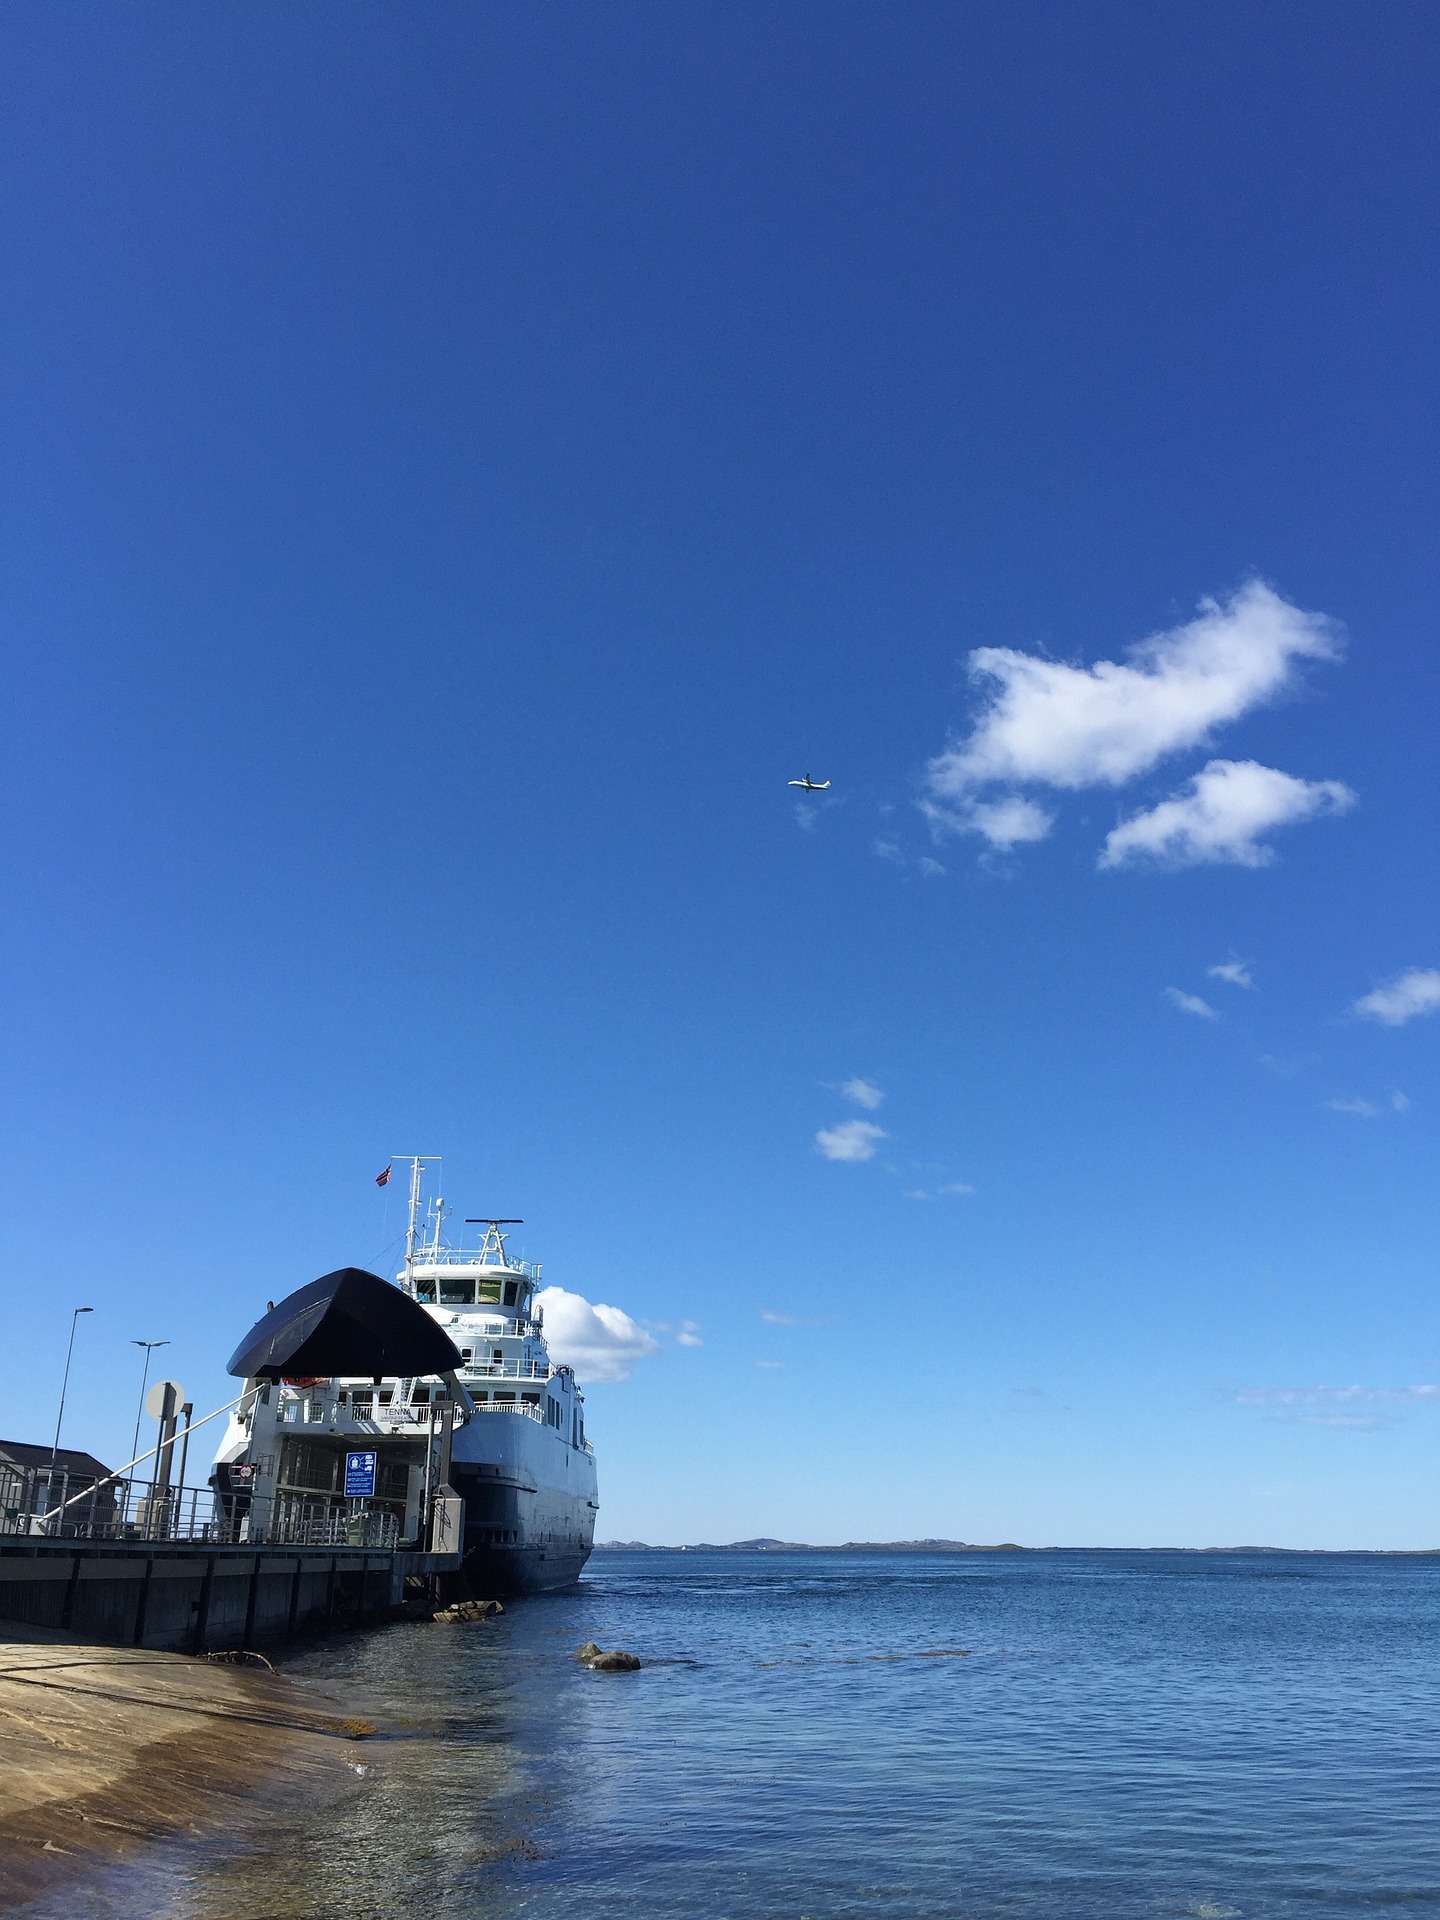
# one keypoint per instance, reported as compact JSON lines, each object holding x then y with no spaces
{"x":509,"y":1439}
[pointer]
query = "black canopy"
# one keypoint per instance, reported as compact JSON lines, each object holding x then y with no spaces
{"x":349,"y":1324}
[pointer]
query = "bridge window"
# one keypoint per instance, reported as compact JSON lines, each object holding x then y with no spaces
{"x":511,"y":1288}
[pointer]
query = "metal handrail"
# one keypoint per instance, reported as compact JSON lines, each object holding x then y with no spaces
{"x":471,"y":1257}
{"x":160,"y":1444}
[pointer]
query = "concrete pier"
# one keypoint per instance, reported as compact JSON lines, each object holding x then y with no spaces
{"x":189,"y":1597}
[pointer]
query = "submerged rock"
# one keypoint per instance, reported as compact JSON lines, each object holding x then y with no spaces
{"x":616,"y":1662}
{"x":468,"y":1610}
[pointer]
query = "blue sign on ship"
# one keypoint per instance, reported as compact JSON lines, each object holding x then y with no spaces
{"x":360,"y":1475}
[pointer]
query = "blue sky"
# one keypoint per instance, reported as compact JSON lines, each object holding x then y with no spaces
{"x":460,"y":463}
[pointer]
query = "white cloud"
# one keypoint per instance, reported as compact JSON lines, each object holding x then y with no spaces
{"x":1191,"y":1003}
{"x":892,"y":850}
{"x":689,"y":1334}
{"x":1073,"y":727}
{"x":1234,"y":972}
{"x":1400,"y":999}
{"x":950,"y":1187}
{"x":1357,"y":1408}
{"x":769,"y":1364}
{"x":1005,"y":823}
{"x":1363,"y":1420}
{"x":851,"y":1140}
{"x":1362,"y":1109}
{"x":864,"y":1093}
{"x":956,"y":1186}
{"x":1286,"y":1069}
{"x":1217,"y":820}
{"x":1333,"y":1396}
{"x":601,"y":1343}
{"x":1399,"y":1101}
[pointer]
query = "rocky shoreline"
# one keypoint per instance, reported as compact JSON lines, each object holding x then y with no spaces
{"x":107,"y":1749}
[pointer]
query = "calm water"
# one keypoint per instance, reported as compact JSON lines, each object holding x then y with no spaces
{"x":1122,"y":1734}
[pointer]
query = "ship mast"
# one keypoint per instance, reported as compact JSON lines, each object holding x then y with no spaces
{"x":418,"y":1163}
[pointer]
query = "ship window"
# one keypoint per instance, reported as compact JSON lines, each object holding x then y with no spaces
{"x":467,"y":1353}
{"x":531,"y":1399}
{"x":487,"y":1292}
{"x":497,"y":1354}
{"x":421,"y":1396}
{"x":481,"y":1396}
{"x":455,"y":1293}
{"x":386,"y":1396}
{"x":509,"y":1398}
{"x":510,"y":1286}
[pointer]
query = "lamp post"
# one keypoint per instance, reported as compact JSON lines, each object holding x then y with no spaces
{"x":65,"y":1382}
{"x":149,"y":1346}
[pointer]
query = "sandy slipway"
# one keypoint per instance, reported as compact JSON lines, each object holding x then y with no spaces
{"x":103,"y":1749}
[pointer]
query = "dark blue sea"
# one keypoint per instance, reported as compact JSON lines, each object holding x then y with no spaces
{"x":1016,"y":1735}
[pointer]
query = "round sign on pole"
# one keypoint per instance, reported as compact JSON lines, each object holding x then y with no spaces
{"x":155,"y":1399}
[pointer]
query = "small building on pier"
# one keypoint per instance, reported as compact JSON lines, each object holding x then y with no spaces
{"x":36,"y":1479}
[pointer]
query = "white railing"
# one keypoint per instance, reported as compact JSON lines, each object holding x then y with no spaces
{"x":508,"y":1369}
{"x":300,"y":1523}
{"x":472,"y":1257}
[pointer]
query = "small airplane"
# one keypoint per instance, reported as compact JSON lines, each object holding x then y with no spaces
{"x":809,"y":785}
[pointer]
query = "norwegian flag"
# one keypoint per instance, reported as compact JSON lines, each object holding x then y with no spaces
{"x":383,"y":1179}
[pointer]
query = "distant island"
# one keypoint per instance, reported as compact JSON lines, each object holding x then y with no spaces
{"x":764,"y":1545}
{"x":804,"y":1546}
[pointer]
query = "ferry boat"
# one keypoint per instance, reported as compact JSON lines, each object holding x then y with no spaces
{"x":511,"y":1443}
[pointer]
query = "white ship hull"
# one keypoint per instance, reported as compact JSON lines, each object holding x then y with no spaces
{"x":530,"y":1505}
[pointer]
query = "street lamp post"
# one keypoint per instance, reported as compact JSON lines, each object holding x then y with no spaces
{"x":65,"y":1382}
{"x":149,"y":1346}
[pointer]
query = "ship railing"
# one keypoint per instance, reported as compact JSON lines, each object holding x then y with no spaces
{"x":398,"y":1417}
{"x":307,"y":1523}
{"x":132,"y":1509}
{"x":472,"y":1257}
